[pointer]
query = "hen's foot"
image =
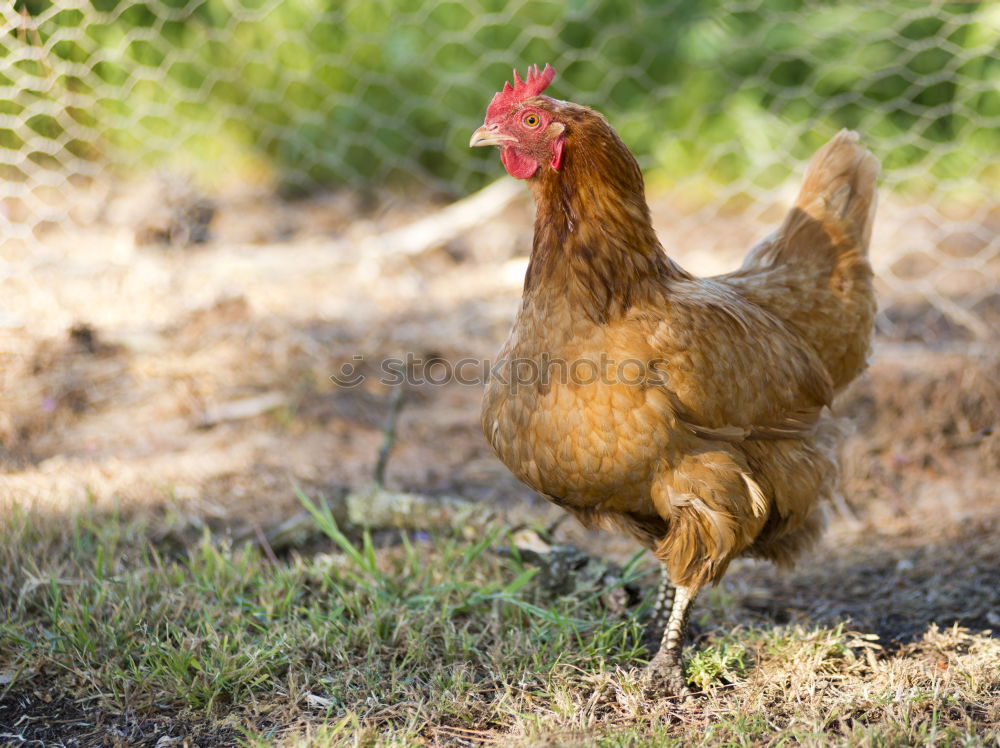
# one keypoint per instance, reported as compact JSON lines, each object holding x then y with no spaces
{"x":663,"y":677}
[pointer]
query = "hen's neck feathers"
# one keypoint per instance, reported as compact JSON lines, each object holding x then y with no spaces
{"x":594,"y":242}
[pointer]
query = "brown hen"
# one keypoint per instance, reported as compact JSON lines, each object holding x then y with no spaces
{"x":687,"y":411}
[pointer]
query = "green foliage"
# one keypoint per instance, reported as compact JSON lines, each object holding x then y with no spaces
{"x":328,"y":92}
{"x":214,"y":625}
{"x":726,"y":661}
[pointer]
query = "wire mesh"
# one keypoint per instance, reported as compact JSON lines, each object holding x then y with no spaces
{"x":721,"y":102}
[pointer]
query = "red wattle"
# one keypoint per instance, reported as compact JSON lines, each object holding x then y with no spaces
{"x":519,"y":165}
{"x":556,"y":161}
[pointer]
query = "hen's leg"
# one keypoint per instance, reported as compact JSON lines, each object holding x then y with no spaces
{"x":656,"y":625}
{"x":665,"y":672}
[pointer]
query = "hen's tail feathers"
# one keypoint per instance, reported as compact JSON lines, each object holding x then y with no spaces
{"x":839,"y":188}
{"x":835,"y":209}
{"x":816,"y":271}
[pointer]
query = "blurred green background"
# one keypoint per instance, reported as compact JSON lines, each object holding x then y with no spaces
{"x":384,"y":93}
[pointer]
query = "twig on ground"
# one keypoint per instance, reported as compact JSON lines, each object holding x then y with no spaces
{"x":388,"y":436}
{"x":441,"y":227}
{"x":376,"y":507}
{"x":242,"y":409}
{"x":262,"y":539}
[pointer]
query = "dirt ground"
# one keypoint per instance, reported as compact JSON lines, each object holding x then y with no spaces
{"x":196,"y":379}
{"x":193,"y":382}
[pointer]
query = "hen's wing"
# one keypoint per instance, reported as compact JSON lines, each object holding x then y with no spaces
{"x":731,"y":369}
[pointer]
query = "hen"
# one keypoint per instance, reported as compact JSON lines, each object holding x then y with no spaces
{"x":687,"y":411}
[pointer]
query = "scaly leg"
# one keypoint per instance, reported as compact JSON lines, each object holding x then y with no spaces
{"x":656,"y":624}
{"x":665,"y":673}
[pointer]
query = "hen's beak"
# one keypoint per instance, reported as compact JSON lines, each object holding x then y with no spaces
{"x":489,"y":135}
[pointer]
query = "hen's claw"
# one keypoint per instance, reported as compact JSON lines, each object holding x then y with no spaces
{"x":664,"y":677}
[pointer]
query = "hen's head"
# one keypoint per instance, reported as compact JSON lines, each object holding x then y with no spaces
{"x":525,"y":126}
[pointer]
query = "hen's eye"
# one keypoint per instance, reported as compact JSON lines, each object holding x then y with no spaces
{"x":531,"y":120}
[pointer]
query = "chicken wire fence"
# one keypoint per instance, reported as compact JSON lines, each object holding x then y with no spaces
{"x":722,"y":102}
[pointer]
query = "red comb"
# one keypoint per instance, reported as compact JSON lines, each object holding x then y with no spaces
{"x":523,"y":89}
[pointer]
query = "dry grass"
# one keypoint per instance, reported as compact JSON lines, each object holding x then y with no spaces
{"x":139,"y":605}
